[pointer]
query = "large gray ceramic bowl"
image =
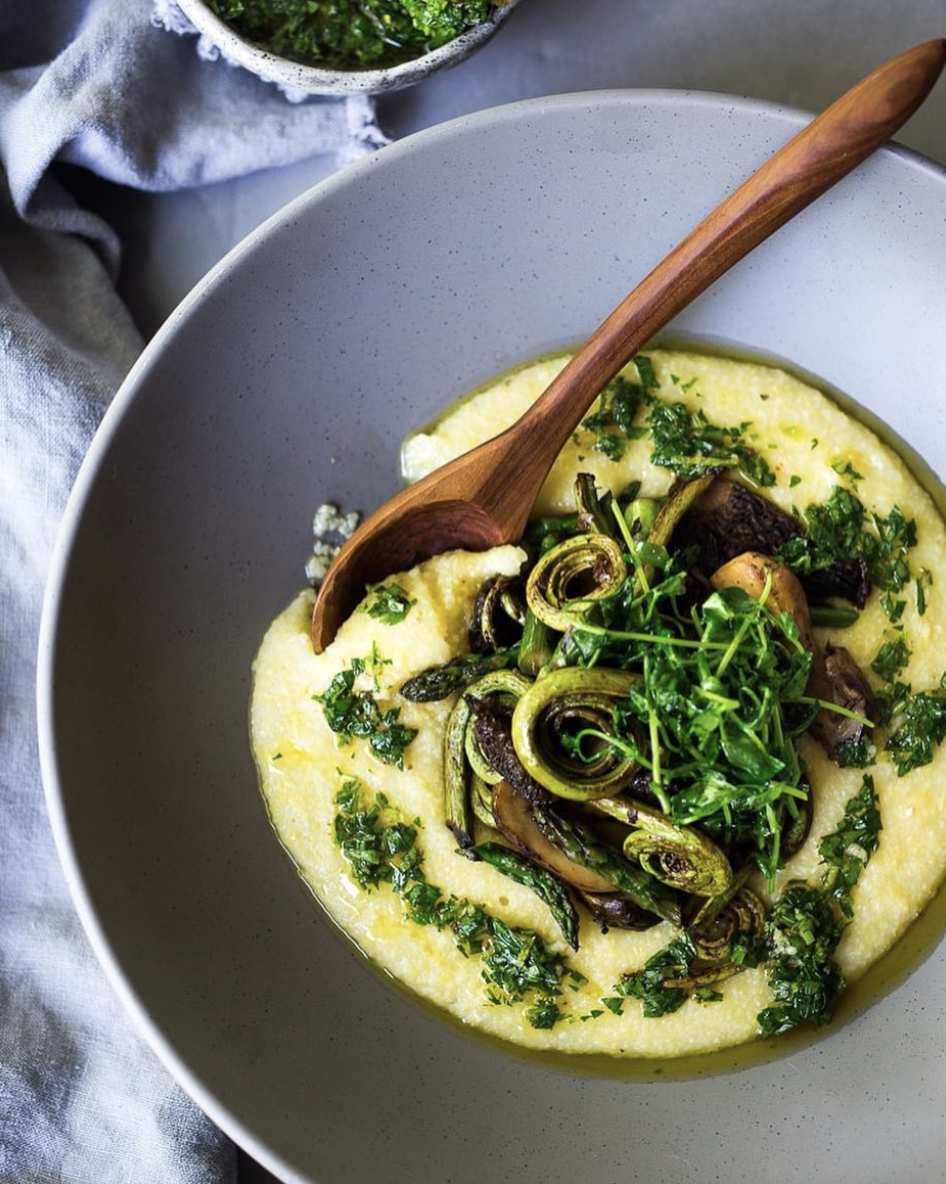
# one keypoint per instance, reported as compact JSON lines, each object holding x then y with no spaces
{"x":288,"y":378}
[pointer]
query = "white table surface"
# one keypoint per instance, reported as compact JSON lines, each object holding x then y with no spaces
{"x":801,"y":53}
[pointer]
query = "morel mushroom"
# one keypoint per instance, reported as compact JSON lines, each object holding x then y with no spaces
{"x":841,"y":682}
{"x":729,"y":519}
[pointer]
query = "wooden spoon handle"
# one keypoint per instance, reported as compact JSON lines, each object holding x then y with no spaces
{"x":824,"y":151}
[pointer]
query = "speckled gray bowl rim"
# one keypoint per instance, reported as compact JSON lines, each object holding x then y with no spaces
{"x":316,"y":80}
{"x":176,"y":1059}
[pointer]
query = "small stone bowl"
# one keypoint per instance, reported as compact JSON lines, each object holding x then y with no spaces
{"x":316,"y":80}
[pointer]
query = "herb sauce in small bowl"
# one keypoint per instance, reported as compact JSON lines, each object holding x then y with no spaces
{"x":346,"y":46}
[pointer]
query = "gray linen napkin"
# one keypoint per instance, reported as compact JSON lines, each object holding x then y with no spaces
{"x":92,"y":83}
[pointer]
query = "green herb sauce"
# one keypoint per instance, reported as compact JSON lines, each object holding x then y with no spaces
{"x":390,"y":604}
{"x":684,"y":441}
{"x":351,"y":34}
{"x":518,"y":967}
{"x":350,"y":713}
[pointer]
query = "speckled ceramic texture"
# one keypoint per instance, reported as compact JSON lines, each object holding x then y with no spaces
{"x":289,"y":378}
{"x":313,"y":80}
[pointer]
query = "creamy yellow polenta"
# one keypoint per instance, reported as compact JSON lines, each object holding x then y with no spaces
{"x":805,"y":436}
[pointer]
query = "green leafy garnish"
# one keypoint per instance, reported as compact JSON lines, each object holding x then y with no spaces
{"x":518,"y":967}
{"x":893,"y":606}
{"x":856,"y":753}
{"x":683,"y":440}
{"x":845,"y":851}
{"x":672,"y":976}
{"x":844,"y":468}
{"x":442,"y":20}
{"x":721,"y":701}
{"x":378,"y":847}
{"x":390,"y":604}
{"x":888,"y":563}
{"x":688,"y":443}
{"x":803,"y":932}
{"x":921,"y":729}
{"x":613,"y":422}
{"x":516,"y":964}
{"x":806,"y":923}
{"x":350,"y":713}
{"x":892,"y":657}
{"x":650,"y":984}
{"x":841,"y":529}
{"x":798,"y":943}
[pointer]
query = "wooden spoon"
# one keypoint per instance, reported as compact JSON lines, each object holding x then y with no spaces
{"x":484,"y":497}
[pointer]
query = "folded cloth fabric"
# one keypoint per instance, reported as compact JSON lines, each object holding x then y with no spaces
{"x":91,"y":83}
